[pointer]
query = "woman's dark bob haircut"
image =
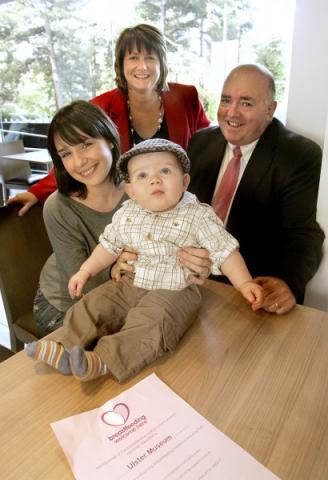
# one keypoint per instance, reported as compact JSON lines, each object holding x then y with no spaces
{"x":73,"y":124}
{"x":142,"y":37}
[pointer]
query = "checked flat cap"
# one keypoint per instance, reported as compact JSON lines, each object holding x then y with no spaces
{"x":153,"y":145}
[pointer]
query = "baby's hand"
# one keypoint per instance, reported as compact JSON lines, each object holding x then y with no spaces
{"x":77,"y":282}
{"x":253,"y":294}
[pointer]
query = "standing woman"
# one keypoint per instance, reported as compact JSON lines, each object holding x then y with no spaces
{"x":84,"y":146}
{"x":143,"y":105}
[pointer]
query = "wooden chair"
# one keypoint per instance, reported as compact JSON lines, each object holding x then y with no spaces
{"x":5,"y":353}
{"x":24,"y":249}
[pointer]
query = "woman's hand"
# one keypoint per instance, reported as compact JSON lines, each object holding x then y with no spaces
{"x":26,"y":198}
{"x":278,"y":297}
{"x":121,"y":266}
{"x":197,"y":260}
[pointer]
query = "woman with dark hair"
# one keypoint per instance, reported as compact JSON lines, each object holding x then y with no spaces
{"x":84,"y":146}
{"x":144,"y":105}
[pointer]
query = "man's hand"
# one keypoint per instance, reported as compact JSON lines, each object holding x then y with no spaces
{"x":26,"y":198}
{"x":197,"y":260}
{"x":123,"y":264}
{"x":278,"y":297}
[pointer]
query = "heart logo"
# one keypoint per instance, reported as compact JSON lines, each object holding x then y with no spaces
{"x":116,"y":417}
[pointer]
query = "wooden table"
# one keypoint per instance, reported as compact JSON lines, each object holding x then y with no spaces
{"x":260,"y":378}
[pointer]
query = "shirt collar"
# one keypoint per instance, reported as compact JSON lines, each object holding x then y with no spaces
{"x":246,"y":150}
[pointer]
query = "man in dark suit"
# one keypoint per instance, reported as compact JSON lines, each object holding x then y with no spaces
{"x":273,"y":212}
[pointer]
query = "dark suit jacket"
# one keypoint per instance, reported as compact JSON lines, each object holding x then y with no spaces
{"x":184,"y":114}
{"x":273,"y":215}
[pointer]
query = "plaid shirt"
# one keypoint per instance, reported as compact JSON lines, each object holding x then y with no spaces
{"x":157,"y":236}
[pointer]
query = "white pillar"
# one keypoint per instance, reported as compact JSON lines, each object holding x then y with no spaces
{"x":307,"y":111}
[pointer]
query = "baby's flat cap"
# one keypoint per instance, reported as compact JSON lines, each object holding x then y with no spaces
{"x":153,"y":145}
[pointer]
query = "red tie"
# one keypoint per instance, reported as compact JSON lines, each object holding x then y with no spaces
{"x":227,"y":187}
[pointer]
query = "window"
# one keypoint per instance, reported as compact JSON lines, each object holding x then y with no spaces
{"x":55,"y":51}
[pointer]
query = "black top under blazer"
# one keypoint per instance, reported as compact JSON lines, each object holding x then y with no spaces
{"x":273,"y":215}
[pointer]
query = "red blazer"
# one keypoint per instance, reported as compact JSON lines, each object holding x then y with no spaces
{"x":184,"y":114}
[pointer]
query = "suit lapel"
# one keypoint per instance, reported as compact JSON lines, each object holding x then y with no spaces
{"x":259,"y":163}
{"x":257,"y":168}
{"x":212,"y":160}
{"x":206,"y":151}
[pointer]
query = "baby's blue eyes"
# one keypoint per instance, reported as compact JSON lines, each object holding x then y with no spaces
{"x":144,"y":175}
{"x":141,"y":176}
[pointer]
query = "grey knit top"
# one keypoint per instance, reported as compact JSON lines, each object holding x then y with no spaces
{"x":73,"y":230}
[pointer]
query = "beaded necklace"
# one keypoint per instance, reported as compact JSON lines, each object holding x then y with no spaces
{"x":159,"y":120}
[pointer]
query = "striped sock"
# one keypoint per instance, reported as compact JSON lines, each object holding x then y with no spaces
{"x":86,"y":365}
{"x":51,"y":353}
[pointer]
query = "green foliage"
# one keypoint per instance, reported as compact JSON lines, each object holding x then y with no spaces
{"x":210,"y":103}
{"x":209,"y":19}
{"x":191,"y":27}
{"x":270,"y":55}
{"x":11,"y":67}
{"x":34,"y":96}
{"x":49,"y":55}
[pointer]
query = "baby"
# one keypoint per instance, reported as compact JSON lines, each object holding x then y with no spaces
{"x":119,"y":328}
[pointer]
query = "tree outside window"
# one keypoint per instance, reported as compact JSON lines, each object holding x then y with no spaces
{"x":55,"y":51}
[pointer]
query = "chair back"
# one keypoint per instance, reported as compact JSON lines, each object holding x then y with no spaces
{"x":24,"y":249}
{"x":5,"y":353}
